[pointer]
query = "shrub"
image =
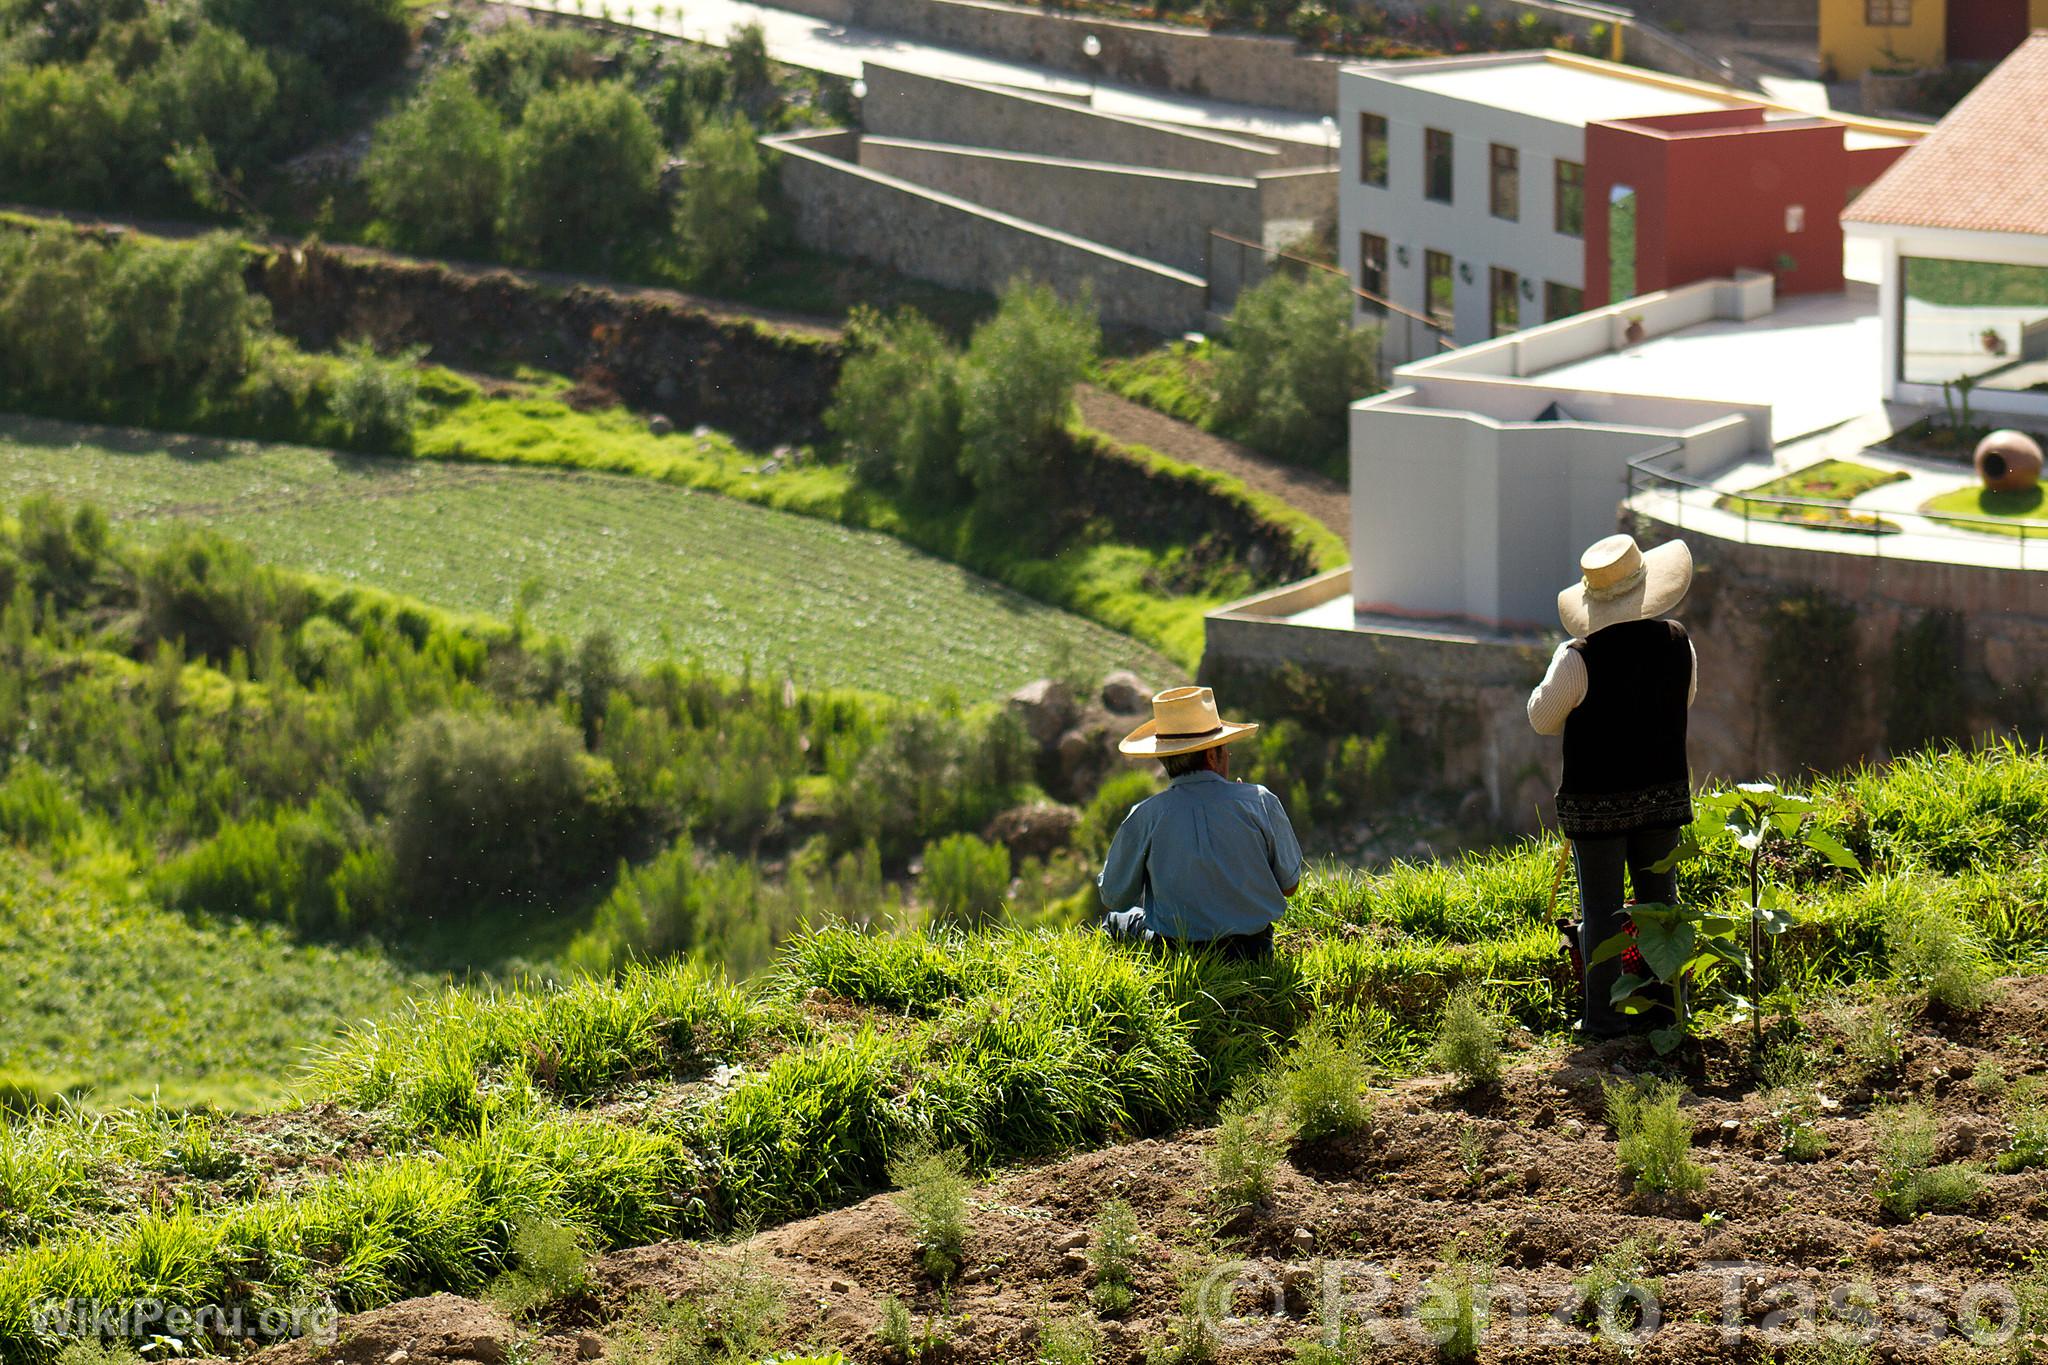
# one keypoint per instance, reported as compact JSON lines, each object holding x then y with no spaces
{"x":932,"y":1189}
{"x":1112,"y":1255}
{"x":1908,"y":1136}
{"x":1068,"y":1341}
{"x":1190,"y":1337}
{"x":435,"y":172}
{"x":1454,"y":1304}
{"x":1108,"y":808}
{"x":896,"y":411}
{"x":1617,"y":1288}
{"x":1468,"y":1041}
{"x":1653,"y":1139}
{"x":1294,"y":365}
{"x":374,"y":398}
{"x":514,"y":63}
{"x":549,"y":1264}
{"x":347,"y":43}
{"x":1933,"y":950}
{"x":2029,"y":1145}
{"x":585,"y":175}
{"x":1249,"y":1145}
{"x":1320,"y":1088}
{"x":746,"y":48}
{"x":894,"y":1331}
{"x":1873,"y":1035}
{"x":36,"y":808}
{"x":965,"y":881}
{"x":1017,"y":389}
{"x":719,"y":216}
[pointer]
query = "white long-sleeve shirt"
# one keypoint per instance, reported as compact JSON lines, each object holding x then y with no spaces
{"x":1564,"y":687}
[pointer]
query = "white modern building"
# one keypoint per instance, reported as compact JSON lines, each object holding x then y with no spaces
{"x":1961,"y":227}
{"x":1465,"y":193}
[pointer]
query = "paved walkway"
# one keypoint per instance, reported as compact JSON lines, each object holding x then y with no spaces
{"x":800,"y":40}
{"x":1306,"y":491}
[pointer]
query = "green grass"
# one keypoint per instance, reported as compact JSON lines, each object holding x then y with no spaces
{"x":109,"y":999}
{"x":1177,"y":379}
{"x":667,"y":570}
{"x":2012,"y":514}
{"x":1831,"y":481}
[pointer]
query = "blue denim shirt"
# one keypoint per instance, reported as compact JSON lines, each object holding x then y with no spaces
{"x":1205,"y":858}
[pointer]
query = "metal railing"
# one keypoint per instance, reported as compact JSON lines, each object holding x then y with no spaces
{"x":1872,"y":527}
{"x":1387,"y":314}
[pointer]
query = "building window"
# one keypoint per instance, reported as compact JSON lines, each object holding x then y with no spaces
{"x":1561,"y":301}
{"x":1888,"y":13}
{"x":1505,"y":288}
{"x":1439,"y":298}
{"x":1372,"y":271}
{"x":1571,"y":199}
{"x":1506,"y":182}
{"x":1372,"y":149}
{"x":1436,"y":165}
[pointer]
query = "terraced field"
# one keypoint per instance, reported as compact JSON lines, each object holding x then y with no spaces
{"x":668,"y":571}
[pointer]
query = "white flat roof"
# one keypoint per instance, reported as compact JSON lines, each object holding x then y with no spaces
{"x":1558,"y":91}
{"x":1816,"y":360}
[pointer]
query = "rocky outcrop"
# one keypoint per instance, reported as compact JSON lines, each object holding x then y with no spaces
{"x":1076,"y":738}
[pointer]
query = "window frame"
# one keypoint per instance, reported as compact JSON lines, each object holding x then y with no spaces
{"x":1575,"y":181}
{"x":1376,"y":286}
{"x":1509,"y":166}
{"x":1369,"y":139}
{"x":1446,"y":321}
{"x":1496,"y":277}
{"x":1438,"y":145}
{"x":1887,"y":13}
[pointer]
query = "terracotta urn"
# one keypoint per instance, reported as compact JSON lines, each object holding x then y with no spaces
{"x":2009,"y":462}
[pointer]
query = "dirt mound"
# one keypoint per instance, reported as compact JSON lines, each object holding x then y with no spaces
{"x":1771,"y":1246}
{"x":439,"y":1330}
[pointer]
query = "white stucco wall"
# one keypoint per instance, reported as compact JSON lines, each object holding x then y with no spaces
{"x":1465,"y":228}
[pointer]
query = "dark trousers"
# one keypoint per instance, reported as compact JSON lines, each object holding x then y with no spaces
{"x":1128,"y":926}
{"x":1601,"y":861}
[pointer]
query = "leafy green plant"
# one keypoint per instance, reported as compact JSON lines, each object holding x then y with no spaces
{"x":893,"y":1332}
{"x":549,"y":1264}
{"x":1873,"y":1034}
{"x":719,"y":217}
{"x":1908,"y":1136}
{"x":2029,"y":1146}
{"x":932,"y":1189}
{"x":374,"y":397}
{"x":1112,"y":1256}
{"x":1933,"y":950}
{"x":1320,"y":1087}
{"x":1472,"y":1154}
{"x":1468,"y":1038}
{"x":1692,"y":949}
{"x":966,"y":881}
{"x":1068,"y":1341}
{"x":1454,"y":1305}
{"x":1249,"y":1145}
{"x":1616,"y":1289}
{"x":1189,"y":1337}
{"x":1653,"y":1139}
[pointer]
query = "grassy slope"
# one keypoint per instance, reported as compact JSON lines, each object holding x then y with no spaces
{"x":666,"y":570}
{"x":597,"y":1103}
{"x":2023,"y":513}
{"x":113,"y":1000}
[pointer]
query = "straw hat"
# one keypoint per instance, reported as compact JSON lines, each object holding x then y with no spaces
{"x":1183,"y":720}
{"x":1619,"y":582}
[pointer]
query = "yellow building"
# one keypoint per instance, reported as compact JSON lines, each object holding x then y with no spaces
{"x":1858,"y":35}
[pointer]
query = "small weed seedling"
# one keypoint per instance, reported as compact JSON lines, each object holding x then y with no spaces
{"x":894,"y":1332}
{"x":1873,"y":1036}
{"x":2029,"y":1146}
{"x":1468,"y":1041}
{"x":1692,"y":949}
{"x":1321,"y":1086}
{"x":1190,"y":1337}
{"x":1653,"y":1139}
{"x":932,"y":1188}
{"x":1908,"y":1180}
{"x":1068,"y":1341}
{"x":1617,"y":1290}
{"x":1990,"y":1080}
{"x":1112,"y":1254}
{"x":736,"y":1314}
{"x":1472,"y":1154}
{"x":549,"y":1264}
{"x":1453,"y":1309}
{"x":1250,"y":1142}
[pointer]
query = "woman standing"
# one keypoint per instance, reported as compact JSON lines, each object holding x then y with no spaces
{"x":1618,"y":691}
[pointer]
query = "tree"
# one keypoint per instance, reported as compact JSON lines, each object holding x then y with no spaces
{"x":180,"y":317}
{"x":216,"y":87}
{"x":1293,"y":367}
{"x":747,"y":48}
{"x":62,"y":132}
{"x":345,"y":43}
{"x":585,"y":177}
{"x":896,"y":411}
{"x":1017,"y":388}
{"x":719,"y":215}
{"x":511,"y":65}
{"x":436,"y":169}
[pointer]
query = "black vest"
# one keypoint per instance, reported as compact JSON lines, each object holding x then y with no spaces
{"x":1624,"y":745}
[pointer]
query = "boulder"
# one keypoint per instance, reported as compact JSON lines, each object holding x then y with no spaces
{"x":658,"y":425}
{"x":1045,"y":708}
{"x":1125,"y":694}
{"x":1034,"y":830}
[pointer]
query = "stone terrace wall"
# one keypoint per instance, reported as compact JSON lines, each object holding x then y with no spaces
{"x":1162,"y":216}
{"x":903,"y":104}
{"x":841,"y":208}
{"x":657,"y":353}
{"x":1241,"y":68}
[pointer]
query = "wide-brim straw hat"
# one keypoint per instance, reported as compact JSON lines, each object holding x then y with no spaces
{"x":1183,"y":720}
{"x":1619,"y":581}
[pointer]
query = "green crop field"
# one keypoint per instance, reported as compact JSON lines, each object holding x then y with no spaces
{"x":666,"y":570}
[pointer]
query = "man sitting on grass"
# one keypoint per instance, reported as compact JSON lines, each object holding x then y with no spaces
{"x":1208,"y":863}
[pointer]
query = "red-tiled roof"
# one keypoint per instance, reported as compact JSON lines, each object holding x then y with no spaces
{"x":1985,"y":168}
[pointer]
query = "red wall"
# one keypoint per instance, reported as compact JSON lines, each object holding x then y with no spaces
{"x":1985,"y":30}
{"x":1712,"y":191}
